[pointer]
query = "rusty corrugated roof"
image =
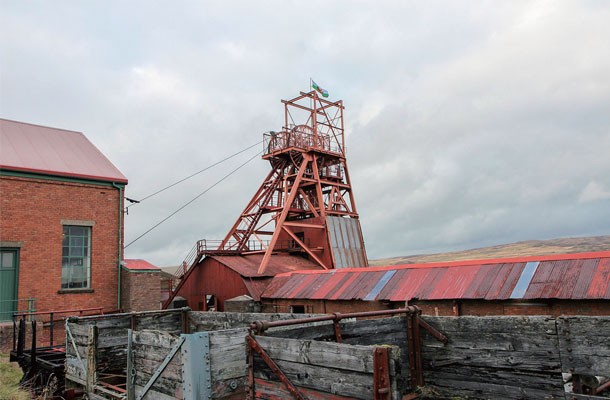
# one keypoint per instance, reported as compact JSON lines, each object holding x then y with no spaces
{"x":278,"y":263}
{"x":40,"y":149}
{"x":563,"y":276}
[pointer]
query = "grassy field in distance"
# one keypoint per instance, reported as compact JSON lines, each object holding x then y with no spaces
{"x":519,"y":249}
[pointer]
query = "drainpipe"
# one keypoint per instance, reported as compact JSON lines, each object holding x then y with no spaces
{"x":120,"y":188}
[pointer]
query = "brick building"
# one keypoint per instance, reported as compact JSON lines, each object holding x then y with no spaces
{"x":140,"y":285}
{"x":61,"y":226}
{"x":563,"y":284}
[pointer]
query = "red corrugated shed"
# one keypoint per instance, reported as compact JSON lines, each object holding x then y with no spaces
{"x":278,"y":263}
{"x":40,"y":149}
{"x":564,"y":276}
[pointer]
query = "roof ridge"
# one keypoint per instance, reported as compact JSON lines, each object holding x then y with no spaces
{"x":41,"y":126}
{"x":462,"y":263}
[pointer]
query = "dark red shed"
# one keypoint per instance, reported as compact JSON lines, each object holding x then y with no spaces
{"x":226,"y":277}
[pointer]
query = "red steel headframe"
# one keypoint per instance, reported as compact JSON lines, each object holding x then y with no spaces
{"x":308,"y":181}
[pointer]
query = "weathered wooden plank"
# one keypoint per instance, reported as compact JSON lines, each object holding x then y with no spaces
{"x":585,"y":345}
{"x":74,"y":369}
{"x":550,"y":382}
{"x":163,"y":385}
{"x":276,"y":390}
{"x":331,"y":380}
{"x":78,"y":329}
{"x":574,"y":396}
{"x":585,"y":364}
{"x":224,"y":389}
{"x":202,"y":321}
{"x":172,"y":371}
{"x":493,"y":324}
{"x":324,"y":354}
{"x":154,"y":395}
{"x":532,"y":361}
{"x":486,"y":390}
{"x":155,"y":338}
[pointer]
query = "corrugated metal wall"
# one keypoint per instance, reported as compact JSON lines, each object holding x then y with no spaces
{"x":346,"y":242}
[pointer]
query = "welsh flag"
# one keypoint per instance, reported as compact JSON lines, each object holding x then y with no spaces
{"x":324,"y":92}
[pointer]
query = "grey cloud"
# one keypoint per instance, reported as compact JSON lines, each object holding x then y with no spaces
{"x":467,"y":124}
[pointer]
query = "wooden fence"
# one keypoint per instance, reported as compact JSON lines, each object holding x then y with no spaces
{"x":96,"y":347}
{"x":490,"y":357}
{"x":507,"y":357}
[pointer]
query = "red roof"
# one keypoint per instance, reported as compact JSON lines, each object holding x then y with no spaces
{"x":563,"y":276}
{"x":40,"y":149}
{"x":247,"y":266}
{"x":137,"y":264}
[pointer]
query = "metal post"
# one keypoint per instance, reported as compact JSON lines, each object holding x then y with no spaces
{"x":33,"y":351}
{"x":21,"y":338}
{"x":381,"y":374}
{"x":14,"y":333}
{"x":130,"y":377}
{"x":411,"y":350}
{"x":51,"y":330}
{"x":250,"y":372}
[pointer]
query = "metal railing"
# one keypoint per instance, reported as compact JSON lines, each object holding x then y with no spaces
{"x":232,"y":246}
{"x":300,"y":137}
{"x":51,"y":321}
{"x":18,"y":306}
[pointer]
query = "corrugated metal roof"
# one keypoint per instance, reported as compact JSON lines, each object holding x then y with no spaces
{"x":278,"y":263}
{"x":346,"y":242}
{"x":563,"y":276}
{"x":137,"y":264}
{"x":40,"y":149}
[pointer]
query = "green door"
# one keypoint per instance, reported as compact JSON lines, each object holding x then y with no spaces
{"x":9,"y":260}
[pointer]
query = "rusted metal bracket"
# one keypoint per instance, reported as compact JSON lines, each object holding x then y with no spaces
{"x":381,"y":374}
{"x":254,"y":346}
{"x":414,"y":346}
{"x":338,"y":337}
{"x":439,"y":336}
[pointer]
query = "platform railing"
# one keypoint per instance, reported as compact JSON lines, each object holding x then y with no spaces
{"x":276,"y":141}
{"x":16,"y":306}
{"x":232,"y":246}
{"x":52,"y":320}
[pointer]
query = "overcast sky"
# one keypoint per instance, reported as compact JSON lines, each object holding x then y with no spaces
{"x":469,"y":123}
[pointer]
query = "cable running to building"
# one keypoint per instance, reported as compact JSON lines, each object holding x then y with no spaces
{"x":190,"y":176}
{"x":196,"y":197}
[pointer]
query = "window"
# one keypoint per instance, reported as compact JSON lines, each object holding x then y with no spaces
{"x":297,"y":309}
{"x":76,"y":257}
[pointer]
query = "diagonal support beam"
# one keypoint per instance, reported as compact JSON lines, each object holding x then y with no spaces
{"x":282,"y":217}
{"x":253,"y":344}
{"x":309,"y":204}
{"x":300,"y":243}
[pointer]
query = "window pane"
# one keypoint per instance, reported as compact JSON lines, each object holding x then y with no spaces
{"x":7,"y":260}
{"x":75,"y":261}
{"x":77,"y":231}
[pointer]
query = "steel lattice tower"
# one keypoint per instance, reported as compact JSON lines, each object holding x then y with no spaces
{"x":306,"y":203}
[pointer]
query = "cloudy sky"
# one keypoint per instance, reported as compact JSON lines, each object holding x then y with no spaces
{"x":469,"y":123}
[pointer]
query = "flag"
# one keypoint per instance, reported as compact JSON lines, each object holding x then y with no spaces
{"x":319,"y":89}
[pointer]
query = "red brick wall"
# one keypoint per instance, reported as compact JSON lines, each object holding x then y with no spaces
{"x":32,"y":210}
{"x":140,"y":291}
